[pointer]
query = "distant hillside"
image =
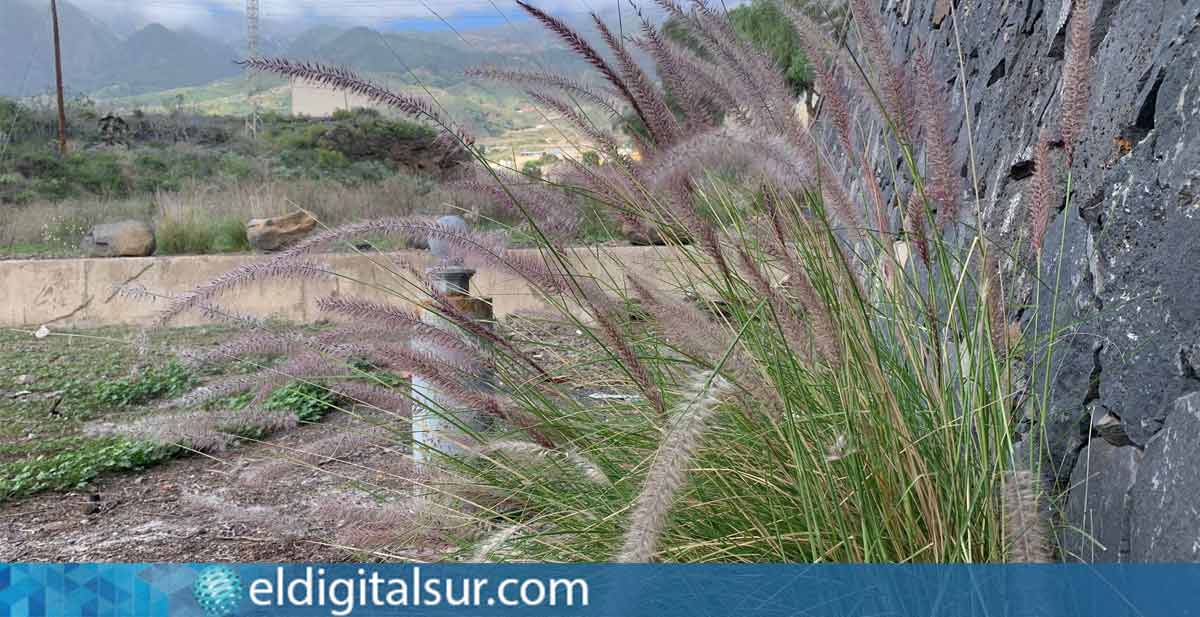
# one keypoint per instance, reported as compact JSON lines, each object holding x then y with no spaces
{"x":438,"y":58}
{"x":152,"y":58}
{"x":27,"y":52}
{"x":155,"y":67}
{"x":155,"y":58}
{"x":369,"y":51}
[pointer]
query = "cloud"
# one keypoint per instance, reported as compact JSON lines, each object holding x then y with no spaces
{"x":209,"y":14}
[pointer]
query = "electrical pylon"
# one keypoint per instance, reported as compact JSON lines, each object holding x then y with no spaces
{"x":251,"y":52}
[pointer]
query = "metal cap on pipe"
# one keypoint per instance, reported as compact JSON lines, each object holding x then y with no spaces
{"x":448,"y":278}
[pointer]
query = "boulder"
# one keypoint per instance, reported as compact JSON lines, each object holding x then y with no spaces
{"x":1163,"y":525}
{"x":1095,"y":521}
{"x":272,"y":234}
{"x":123,"y":239}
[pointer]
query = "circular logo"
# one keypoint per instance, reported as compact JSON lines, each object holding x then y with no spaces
{"x":218,"y":591}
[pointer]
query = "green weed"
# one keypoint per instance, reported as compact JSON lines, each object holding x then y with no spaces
{"x":310,"y":402}
{"x":152,"y":383}
{"x":73,"y":469}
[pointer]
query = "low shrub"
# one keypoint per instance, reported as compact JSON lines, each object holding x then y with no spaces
{"x":309,"y":401}
{"x":98,"y":173}
{"x":75,"y":468}
{"x":172,"y":379}
{"x":195,"y":235}
{"x":237,"y":167}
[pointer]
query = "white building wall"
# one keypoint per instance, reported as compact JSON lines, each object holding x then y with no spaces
{"x":318,"y":101}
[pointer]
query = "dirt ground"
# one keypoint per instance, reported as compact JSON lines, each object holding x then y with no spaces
{"x":166,"y":512}
{"x":201,"y":508}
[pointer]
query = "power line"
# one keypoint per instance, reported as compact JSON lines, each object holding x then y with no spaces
{"x":252,"y":28}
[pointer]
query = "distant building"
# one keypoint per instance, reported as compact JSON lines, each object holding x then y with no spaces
{"x":318,"y":101}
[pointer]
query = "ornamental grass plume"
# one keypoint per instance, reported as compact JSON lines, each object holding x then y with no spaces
{"x":785,"y":375}
{"x":669,"y":468}
{"x":532,"y":453}
{"x":1025,"y":521}
{"x":1076,"y":81}
{"x":1043,"y":194}
{"x":942,"y":186}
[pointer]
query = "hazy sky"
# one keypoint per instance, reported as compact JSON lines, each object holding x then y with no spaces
{"x":207,"y":14}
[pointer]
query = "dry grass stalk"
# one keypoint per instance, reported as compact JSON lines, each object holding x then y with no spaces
{"x":1025,"y":524}
{"x":669,"y":469}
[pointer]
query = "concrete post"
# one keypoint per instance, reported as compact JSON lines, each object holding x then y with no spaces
{"x":438,"y":421}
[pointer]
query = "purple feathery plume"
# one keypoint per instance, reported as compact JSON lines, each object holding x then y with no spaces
{"x":604,"y":310}
{"x":659,"y":119}
{"x":699,"y":85}
{"x":675,"y":78}
{"x":347,"y":81}
{"x":407,"y":229}
{"x":1043,"y":194}
{"x":584,"y":49}
{"x":603,"y":139}
{"x":447,"y":378}
{"x":375,"y":396}
{"x":481,"y":247}
{"x":681,"y":323}
{"x":942,"y":185}
{"x":763,"y":88}
{"x":914,"y":225}
{"x":237,"y":278}
{"x":344,"y":79}
{"x":1076,"y":89}
{"x":817,"y":334}
{"x":568,"y":86}
{"x":397,"y":319}
{"x":554,"y":209}
{"x":446,"y":307}
{"x":894,"y":80}
{"x":254,"y":342}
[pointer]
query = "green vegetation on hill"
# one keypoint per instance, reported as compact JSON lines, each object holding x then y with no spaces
{"x":161,"y":152}
{"x":198,"y":179}
{"x":224,"y":97}
{"x":763,"y":24}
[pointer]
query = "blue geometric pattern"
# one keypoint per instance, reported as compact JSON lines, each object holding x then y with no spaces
{"x":95,"y":590}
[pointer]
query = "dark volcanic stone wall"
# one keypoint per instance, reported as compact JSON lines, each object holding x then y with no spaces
{"x":1124,"y":426}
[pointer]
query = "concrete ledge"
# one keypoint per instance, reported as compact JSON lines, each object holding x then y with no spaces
{"x":81,"y":293}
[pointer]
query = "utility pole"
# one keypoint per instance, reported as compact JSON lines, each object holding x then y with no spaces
{"x":251,"y":52}
{"x":62,"y":109}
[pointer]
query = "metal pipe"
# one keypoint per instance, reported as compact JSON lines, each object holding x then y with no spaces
{"x":439,"y":423}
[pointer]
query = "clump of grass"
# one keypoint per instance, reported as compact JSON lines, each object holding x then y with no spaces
{"x":859,"y":383}
{"x":193,"y":234}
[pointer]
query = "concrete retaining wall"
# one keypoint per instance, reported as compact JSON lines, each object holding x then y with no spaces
{"x":81,"y":293}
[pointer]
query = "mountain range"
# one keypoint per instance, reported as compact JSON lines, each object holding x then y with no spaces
{"x":95,"y":58}
{"x":102,"y":63}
